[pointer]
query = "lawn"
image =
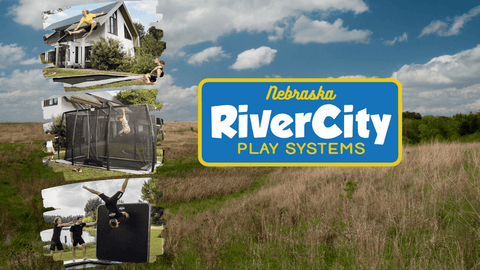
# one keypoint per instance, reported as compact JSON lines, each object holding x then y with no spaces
{"x":51,"y":72}
{"x":156,"y":248}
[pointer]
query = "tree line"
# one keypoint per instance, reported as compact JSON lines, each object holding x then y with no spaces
{"x":459,"y":127}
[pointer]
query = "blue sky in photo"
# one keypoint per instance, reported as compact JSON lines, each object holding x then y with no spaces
{"x":431,"y":47}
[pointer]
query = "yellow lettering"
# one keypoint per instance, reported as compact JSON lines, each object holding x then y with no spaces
{"x":270,"y":90}
{"x":251,"y":150}
{"x":240,"y":148}
{"x":322,"y":144}
{"x":301,"y":147}
{"x":304,"y":95}
{"x":342,"y":146}
{"x":273,"y":148}
{"x":330,"y":95}
{"x":264,"y":148}
{"x":289,"y":147}
{"x":330,"y":148}
{"x":313,"y":148}
{"x":358,"y":147}
{"x":280,"y":94}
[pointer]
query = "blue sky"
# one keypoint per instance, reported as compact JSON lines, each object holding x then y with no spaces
{"x":431,"y":47}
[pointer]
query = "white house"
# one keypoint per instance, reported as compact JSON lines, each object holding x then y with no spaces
{"x":75,"y":50}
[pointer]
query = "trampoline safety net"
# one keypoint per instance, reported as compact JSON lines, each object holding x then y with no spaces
{"x":101,"y":137}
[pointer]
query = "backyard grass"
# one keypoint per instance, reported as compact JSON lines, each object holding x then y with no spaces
{"x":109,"y":85}
{"x":63,"y":72}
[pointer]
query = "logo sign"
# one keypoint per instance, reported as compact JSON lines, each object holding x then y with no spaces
{"x":300,"y":122}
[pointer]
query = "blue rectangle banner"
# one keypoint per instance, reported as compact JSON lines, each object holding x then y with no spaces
{"x":300,"y":122}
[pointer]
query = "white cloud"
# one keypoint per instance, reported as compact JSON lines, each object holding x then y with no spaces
{"x":403,"y":37}
{"x":445,"y":85}
{"x":194,"y":21}
{"x":10,"y":54}
{"x":21,"y":95}
{"x":305,"y":30}
{"x":441,"y":28}
{"x":254,"y":58}
{"x":179,"y":104}
{"x":147,"y":6}
{"x":207,"y":54}
{"x":31,"y":61}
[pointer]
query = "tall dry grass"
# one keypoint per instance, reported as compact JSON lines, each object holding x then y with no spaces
{"x":397,"y":215}
{"x":180,"y":141}
{"x":23,"y":133}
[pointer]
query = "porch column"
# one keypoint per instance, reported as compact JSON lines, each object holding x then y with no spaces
{"x":56,"y":54}
{"x":83,"y":54}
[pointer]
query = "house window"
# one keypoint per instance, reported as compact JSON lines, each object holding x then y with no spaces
{"x":50,"y":102}
{"x":88,"y":53}
{"x":113,"y":24}
{"x":127,"y":34}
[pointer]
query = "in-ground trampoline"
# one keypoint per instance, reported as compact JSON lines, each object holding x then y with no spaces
{"x":129,"y":243}
{"x":93,"y":79}
{"x":99,"y":137}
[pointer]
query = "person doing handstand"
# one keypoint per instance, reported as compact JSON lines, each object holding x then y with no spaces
{"x":88,"y":19}
{"x":111,"y":203}
{"x":156,"y":72}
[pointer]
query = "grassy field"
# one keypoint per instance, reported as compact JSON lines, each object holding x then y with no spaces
{"x":420,"y":214}
{"x":63,"y":72}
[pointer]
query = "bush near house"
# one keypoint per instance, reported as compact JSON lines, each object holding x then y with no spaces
{"x":107,"y":54}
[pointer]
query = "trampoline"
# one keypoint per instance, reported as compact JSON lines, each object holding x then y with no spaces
{"x":129,"y":243}
{"x":93,"y":79}
{"x":95,"y":137}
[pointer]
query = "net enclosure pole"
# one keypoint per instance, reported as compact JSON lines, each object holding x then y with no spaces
{"x":73,"y":137}
{"x":108,"y":137}
{"x":58,"y":138}
{"x":154,"y":150}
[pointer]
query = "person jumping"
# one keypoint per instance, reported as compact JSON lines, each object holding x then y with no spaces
{"x":156,"y":72}
{"x":114,"y":213}
{"x":88,"y":19}
{"x":123,"y":119}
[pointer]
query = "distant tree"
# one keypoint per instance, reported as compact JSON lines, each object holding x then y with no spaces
{"x":411,"y":115}
{"x":157,"y":213}
{"x":140,"y":29}
{"x":91,"y":207}
{"x":46,"y":14}
{"x":150,"y":192}
{"x":141,"y":96}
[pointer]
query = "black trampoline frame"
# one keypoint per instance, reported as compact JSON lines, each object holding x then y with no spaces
{"x":153,"y":130}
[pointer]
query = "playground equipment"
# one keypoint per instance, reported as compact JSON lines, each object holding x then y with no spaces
{"x":129,"y":243}
{"x":94,"y":137}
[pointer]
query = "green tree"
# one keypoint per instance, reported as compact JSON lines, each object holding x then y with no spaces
{"x":151,"y":43}
{"x":59,"y":130}
{"x":438,"y":128}
{"x":140,"y":29}
{"x":150,"y":192}
{"x":107,"y":53}
{"x":142,"y":96}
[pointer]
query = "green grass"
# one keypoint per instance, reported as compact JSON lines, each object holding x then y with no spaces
{"x":179,"y":167}
{"x":62,"y":72}
{"x":109,"y":85}
{"x":87,"y":173}
{"x":156,"y":248}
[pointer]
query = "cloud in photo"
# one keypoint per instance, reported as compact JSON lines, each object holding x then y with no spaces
{"x":254,"y":58}
{"x":443,"y":29}
{"x":10,"y":54}
{"x":305,"y":31}
{"x":31,"y":61}
{"x":401,"y":38}
{"x":444,"y":85}
{"x":22,"y":93}
{"x":192,"y":22}
{"x":212,"y":53}
{"x":179,"y":104}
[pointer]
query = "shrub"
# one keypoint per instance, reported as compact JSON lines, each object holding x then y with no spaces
{"x":127,"y":64}
{"x":144,"y":63}
{"x":107,"y":54}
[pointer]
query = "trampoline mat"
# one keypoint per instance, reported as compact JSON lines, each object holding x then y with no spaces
{"x":87,"y":78}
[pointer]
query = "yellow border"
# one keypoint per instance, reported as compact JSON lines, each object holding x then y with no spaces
{"x":290,"y":164}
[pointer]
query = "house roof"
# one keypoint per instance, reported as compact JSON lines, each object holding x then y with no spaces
{"x":106,"y":97}
{"x":75,"y":19}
